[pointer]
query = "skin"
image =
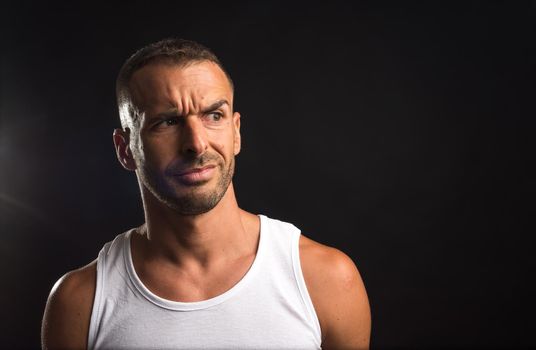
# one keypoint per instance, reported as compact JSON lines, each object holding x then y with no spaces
{"x":207,"y":246}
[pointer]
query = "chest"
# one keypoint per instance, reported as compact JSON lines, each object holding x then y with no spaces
{"x":256,"y":316}
{"x":193,"y":285}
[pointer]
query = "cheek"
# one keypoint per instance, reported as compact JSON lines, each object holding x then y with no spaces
{"x":157,"y":153}
{"x":223,"y":143}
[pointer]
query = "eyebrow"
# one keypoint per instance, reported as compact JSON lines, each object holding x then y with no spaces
{"x":212,"y":107}
{"x":215,"y":105}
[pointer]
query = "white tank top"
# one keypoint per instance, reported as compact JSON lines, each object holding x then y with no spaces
{"x":269,"y":308}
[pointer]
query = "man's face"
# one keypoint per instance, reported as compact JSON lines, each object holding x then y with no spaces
{"x":188,"y":134}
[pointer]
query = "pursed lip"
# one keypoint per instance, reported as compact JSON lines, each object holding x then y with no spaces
{"x":194,"y":170}
{"x":196,"y":176}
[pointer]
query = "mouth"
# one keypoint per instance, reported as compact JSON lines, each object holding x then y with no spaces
{"x":196,"y":175}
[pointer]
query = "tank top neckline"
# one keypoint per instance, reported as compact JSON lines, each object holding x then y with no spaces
{"x":195,"y":305}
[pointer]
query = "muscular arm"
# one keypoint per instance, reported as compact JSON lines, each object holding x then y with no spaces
{"x":338,"y":295}
{"x":68,"y":310}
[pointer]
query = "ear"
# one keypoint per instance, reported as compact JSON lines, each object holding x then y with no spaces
{"x":237,"y":138}
{"x":122,"y":149}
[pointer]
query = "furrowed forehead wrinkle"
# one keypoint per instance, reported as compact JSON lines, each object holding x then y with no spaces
{"x":171,"y":100}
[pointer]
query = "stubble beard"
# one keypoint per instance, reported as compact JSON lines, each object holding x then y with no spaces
{"x":188,"y":200}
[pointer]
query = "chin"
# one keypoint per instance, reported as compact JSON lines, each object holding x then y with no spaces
{"x":194,"y":200}
{"x":193,"y":205}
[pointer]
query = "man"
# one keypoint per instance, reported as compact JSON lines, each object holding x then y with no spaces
{"x":201,"y":272}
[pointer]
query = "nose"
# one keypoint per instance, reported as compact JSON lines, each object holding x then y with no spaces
{"x":193,"y":137}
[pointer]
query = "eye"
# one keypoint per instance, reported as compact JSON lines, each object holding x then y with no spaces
{"x":215,"y":116}
{"x":170,"y":121}
{"x":165,"y":123}
{"x":216,"y":119}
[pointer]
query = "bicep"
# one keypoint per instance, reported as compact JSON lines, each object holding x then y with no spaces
{"x":67,"y":312}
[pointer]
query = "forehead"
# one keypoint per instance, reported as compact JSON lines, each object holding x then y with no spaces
{"x":161,"y":84}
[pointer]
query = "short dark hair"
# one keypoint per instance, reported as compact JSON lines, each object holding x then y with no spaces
{"x":172,"y":51}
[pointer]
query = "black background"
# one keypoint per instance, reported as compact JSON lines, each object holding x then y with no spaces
{"x":399,"y":132}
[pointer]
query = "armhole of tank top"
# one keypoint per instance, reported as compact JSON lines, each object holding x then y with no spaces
{"x":96,"y":311}
{"x":300,"y":280}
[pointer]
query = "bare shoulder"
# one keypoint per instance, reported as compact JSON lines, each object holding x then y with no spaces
{"x":68,"y":310}
{"x":338,"y":295}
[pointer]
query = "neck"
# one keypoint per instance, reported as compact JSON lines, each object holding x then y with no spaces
{"x":198,"y":239}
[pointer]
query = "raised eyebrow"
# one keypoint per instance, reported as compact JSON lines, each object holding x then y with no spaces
{"x":215,"y":105}
{"x":174,"y":112}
